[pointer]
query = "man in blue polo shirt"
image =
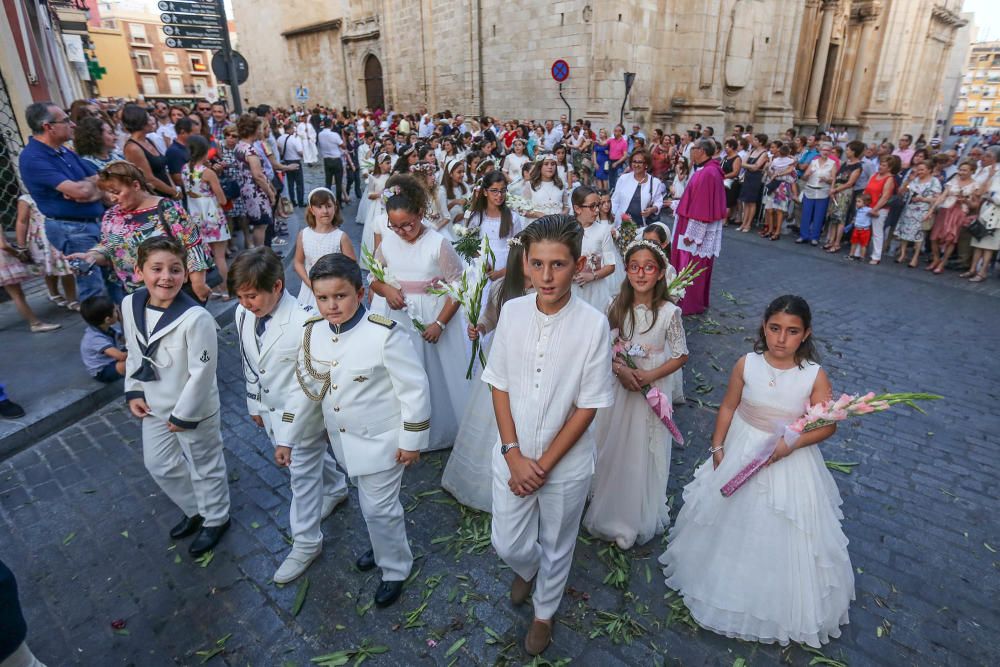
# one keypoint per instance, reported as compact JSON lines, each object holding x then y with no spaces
{"x":64,"y":188}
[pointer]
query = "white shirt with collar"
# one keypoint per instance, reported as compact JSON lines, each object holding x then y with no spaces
{"x":550,"y":365}
{"x":268,"y":364}
{"x":553,"y":137}
{"x":330,"y":144}
{"x":289,"y":148}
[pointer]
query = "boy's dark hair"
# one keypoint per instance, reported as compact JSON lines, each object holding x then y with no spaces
{"x":257,"y":267}
{"x":158,"y":243}
{"x":96,"y":309}
{"x":558,"y":228}
{"x":792,"y":305}
{"x":336,"y":265}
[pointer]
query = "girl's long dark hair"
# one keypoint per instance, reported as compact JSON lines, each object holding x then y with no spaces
{"x":796,"y":306}
{"x":449,"y":183}
{"x":480,"y":201}
{"x":535,"y":178}
{"x":621,"y":315}
{"x":513,"y":280}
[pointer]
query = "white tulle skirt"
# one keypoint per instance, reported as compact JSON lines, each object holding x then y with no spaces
{"x":769,"y":563}
{"x":469,"y":473}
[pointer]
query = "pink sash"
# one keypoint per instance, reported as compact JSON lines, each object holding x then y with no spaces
{"x":419,"y":286}
{"x":763,"y":418}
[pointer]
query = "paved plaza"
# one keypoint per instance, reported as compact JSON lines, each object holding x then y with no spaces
{"x":85,"y":529}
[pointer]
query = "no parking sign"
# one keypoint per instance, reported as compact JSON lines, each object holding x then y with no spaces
{"x":560,"y":70}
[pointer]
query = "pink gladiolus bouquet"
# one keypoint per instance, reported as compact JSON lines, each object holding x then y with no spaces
{"x":658,"y":403}
{"x":818,"y":416}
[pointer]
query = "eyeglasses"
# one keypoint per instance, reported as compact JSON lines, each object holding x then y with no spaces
{"x":648,"y":269}
{"x":66,"y":120}
{"x":497,"y":191}
{"x":592,"y":207}
{"x":642,"y":162}
{"x":403,"y":228}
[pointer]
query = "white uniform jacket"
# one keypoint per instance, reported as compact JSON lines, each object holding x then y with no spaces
{"x":375,"y":394}
{"x":174,"y":368}
{"x":269,"y":371}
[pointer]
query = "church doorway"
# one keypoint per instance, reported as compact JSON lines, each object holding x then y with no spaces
{"x":373,"y":83}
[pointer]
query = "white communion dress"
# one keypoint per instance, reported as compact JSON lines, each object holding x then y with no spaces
{"x":770,"y":562}
{"x":314,"y":246}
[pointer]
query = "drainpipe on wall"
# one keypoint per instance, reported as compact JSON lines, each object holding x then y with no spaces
{"x":26,"y":40}
{"x":479,"y":48}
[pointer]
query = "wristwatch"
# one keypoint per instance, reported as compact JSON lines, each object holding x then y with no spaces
{"x":504,"y":448}
{"x":440,"y":324}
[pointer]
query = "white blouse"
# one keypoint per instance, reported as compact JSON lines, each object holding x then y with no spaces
{"x":550,"y":365}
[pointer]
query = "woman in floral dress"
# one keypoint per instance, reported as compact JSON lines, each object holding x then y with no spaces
{"x":920,"y":190}
{"x":45,"y":259}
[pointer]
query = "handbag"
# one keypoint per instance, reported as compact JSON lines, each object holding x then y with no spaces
{"x":656,"y":216}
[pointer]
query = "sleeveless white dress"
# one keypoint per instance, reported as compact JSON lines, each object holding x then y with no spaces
{"x":314,"y":246}
{"x":769,"y":563}
{"x":469,"y":473}
{"x":415,"y":265}
{"x":629,"y":489}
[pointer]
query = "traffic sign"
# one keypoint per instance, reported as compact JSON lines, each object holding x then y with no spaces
{"x":301,"y":94}
{"x":222,"y":72}
{"x":196,"y":20}
{"x":205,"y":8}
{"x":198,"y":43}
{"x":560,"y":70}
{"x":213,"y":32}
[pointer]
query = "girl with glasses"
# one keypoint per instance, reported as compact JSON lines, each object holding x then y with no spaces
{"x":419,"y":258}
{"x":593,"y":283}
{"x":495,"y":220}
{"x":629,"y":504}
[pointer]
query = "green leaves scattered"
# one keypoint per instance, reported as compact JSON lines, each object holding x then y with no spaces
{"x":678,"y":611}
{"x":820,"y":658}
{"x":358,"y":655}
{"x":455,"y":647}
{"x":219,"y":647}
{"x":619,"y":628}
{"x":204,"y":559}
{"x":68,"y":538}
{"x":124,"y":534}
{"x":300,"y":596}
{"x":619,"y":566}
{"x":844,"y":467}
{"x":472,"y":535}
{"x":254,"y":525}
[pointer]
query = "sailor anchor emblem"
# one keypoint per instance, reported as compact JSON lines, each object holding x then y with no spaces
{"x":204,"y":358}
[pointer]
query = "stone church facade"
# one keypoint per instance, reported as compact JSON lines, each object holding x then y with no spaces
{"x":875,"y":66}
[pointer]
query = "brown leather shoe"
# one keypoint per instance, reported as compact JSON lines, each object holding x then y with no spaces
{"x":520,"y":590}
{"x":539,"y":637}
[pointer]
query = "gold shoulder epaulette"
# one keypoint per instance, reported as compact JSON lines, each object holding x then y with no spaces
{"x":313,"y":320}
{"x":382,"y":320}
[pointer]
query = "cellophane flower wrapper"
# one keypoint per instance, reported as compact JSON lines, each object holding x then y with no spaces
{"x":818,"y":416}
{"x":658,"y":402}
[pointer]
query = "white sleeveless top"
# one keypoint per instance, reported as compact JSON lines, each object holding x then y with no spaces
{"x":316,"y":244}
{"x":774,"y":394}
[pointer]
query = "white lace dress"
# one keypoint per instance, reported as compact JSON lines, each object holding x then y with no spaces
{"x":599,"y":249}
{"x":418,"y":265}
{"x":629,"y":489}
{"x":314,"y":246}
{"x":769,"y":563}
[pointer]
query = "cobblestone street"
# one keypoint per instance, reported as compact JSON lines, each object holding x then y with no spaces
{"x":84,"y":527}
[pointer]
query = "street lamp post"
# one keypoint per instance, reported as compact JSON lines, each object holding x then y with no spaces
{"x":629,"y":80}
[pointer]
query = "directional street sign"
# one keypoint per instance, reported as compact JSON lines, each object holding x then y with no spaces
{"x":193,"y":20}
{"x":188,"y":7}
{"x":202,"y":43}
{"x":214,"y":32}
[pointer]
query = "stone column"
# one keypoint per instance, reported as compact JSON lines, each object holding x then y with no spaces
{"x":819,"y":63}
{"x":868,"y":16}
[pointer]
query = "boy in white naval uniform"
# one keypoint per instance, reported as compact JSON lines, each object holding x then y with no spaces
{"x":269,"y":322}
{"x":170,"y":385}
{"x":376,"y":404}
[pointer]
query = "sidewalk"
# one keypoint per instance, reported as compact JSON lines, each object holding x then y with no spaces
{"x":44,"y":374}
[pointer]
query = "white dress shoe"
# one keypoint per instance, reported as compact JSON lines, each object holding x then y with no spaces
{"x":295,"y":564}
{"x":330,"y":503}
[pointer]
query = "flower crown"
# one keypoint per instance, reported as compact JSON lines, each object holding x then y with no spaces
{"x":542,"y":157}
{"x":383,"y":157}
{"x":514,"y":241}
{"x":390,"y":192}
{"x":648,"y":245}
{"x":485,"y":161}
{"x":424,"y":167}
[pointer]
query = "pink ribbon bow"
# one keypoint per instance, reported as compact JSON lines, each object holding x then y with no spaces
{"x":664,"y":410}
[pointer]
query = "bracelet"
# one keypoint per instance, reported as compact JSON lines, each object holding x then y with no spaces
{"x":713,"y":450}
{"x":440,"y":324}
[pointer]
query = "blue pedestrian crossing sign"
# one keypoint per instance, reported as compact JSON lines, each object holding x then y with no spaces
{"x":301,"y":94}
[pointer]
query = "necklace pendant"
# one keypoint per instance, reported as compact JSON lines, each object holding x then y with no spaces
{"x":771,"y":383}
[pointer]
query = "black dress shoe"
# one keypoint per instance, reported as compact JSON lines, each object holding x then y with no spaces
{"x":207,"y":539}
{"x":366,"y":561}
{"x":188,"y":526}
{"x":10,"y":410}
{"x":387,"y":593}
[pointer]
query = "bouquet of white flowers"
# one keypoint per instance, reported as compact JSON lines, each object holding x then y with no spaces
{"x":468,"y":290}
{"x":466,"y":241}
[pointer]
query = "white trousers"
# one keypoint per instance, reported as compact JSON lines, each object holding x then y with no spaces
{"x":878,"y":234}
{"x":378,"y":494}
{"x":314,"y":476}
{"x":22,"y":657}
{"x":189,"y":467}
{"x":537,"y":535}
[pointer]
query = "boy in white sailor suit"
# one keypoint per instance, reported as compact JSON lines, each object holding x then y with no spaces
{"x":269,"y":322}
{"x":170,"y":385}
{"x":376,"y":404}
